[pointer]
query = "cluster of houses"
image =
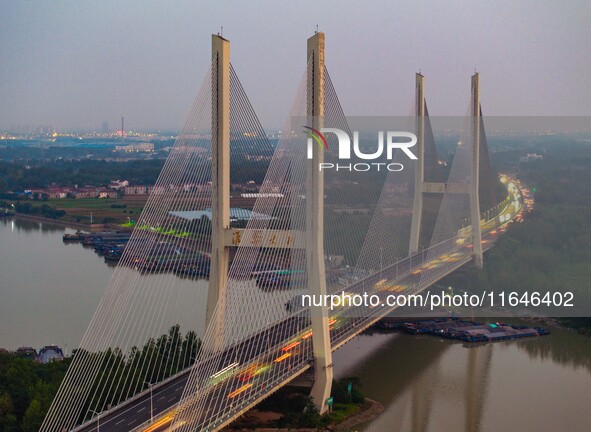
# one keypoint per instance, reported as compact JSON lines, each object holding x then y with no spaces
{"x":118,"y":187}
{"x":531,"y":157}
{"x":138,"y":147}
{"x":58,"y":192}
{"x":46,"y":354}
{"x":249,"y":186}
{"x":62,"y":192}
{"x":147,"y":190}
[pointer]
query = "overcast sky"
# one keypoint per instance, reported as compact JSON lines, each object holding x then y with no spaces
{"x":74,"y":64}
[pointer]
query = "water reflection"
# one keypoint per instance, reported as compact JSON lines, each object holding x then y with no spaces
{"x":477,"y":376}
{"x":25,"y":225}
{"x":48,"y":290}
{"x":427,"y":384}
{"x":405,"y":373}
{"x":49,"y":228}
{"x":565,"y":348}
{"x":389,"y":355}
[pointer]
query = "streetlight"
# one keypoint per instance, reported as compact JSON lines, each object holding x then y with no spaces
{"x":98,"y":420}
{"x":150,"y":385}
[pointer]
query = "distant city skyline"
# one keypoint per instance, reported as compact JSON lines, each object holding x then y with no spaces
{"x":74,"y":65}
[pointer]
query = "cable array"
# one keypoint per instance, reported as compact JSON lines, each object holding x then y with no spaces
{"x":135,"y":341}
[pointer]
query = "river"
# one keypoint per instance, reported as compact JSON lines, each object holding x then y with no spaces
{"x":428,"y":384}
{"x":50,"y":289}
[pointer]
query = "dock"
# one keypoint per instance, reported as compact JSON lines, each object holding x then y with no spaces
{"x":466,"y":330}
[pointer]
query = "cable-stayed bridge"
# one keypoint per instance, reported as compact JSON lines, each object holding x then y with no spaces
{"x":306,"y":230}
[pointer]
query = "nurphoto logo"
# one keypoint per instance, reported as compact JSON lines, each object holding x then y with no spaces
{"x":394,"y":140}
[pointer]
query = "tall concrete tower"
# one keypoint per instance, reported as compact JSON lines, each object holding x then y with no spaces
{"x":315,"y":228}
{"x":475,"y":172}
{"x":122,"y":129}
{"x":417,"y":209}
{"x":220,"y":175}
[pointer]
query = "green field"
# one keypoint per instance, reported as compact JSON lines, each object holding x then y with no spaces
{"x":113,"y":210}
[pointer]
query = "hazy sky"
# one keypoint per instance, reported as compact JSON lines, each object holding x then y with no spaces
{"x":74,"y":64}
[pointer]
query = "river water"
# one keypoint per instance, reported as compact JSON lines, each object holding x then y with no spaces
{"x":50,"y":289}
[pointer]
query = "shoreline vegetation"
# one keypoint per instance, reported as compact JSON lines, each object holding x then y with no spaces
{"x":292,"y":409}
{"x":28,"y":387}
{"x":79,"y":213}
{"x":369,"y":410}
{"x":26,"y":391}
{"x":549,"y":251}
{"x":66,"y":223}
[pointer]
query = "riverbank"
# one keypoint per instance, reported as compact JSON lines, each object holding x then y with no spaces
{"x":80,"y":212}
{"x":368,"y":411}
{"x":66,"y":223}
{"x":464,"y":330}
{"x":579,"y":325}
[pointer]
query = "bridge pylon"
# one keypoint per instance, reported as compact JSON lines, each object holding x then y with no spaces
{"x":220,"y":176}
{"x":475,"y":172}
{"x":417,"y":209}
{"x":471,"y":187}
{"x":315,"y":228}
{"x":313,"y":240}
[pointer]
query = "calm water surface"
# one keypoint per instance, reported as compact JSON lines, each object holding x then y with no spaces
{"x":427,"y":384}
{"x":50,"y":289}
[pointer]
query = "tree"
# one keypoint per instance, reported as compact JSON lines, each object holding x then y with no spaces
{"x":8,"y":421}
{"x":33,"y":417}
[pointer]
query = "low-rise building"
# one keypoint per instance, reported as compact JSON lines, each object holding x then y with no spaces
{"x":107,"y":193}
{"x":531,"y":157}
{"x":27,"y":352}
{"x":139,"y":147}
{"x":86,"y":192}
{"x":136,"y":190}
{"x":50,"y":353}
{"x":57,"y":192}
{"x":118,"y":184}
